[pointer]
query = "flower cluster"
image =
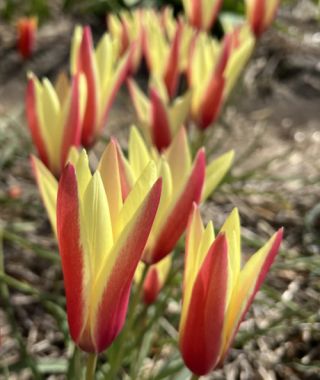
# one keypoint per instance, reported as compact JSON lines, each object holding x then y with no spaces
{"x":124,"y":222}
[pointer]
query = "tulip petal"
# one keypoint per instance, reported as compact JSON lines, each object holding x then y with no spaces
{"x":48,"y":187}
{"x":72,"y":127}
{"x":179,"y":159}
{"x":211,"y":102}
{"x":160,"y":123}
{"x":87,"y":65}
{"x":72,"y":259}
{"x":139,"y":156}
{"x":215,"y":172}
{"x":171,"y":74}
{"x":179,"y":111}
{"x":177,"y":218}
{"x":33,"y":119}
{"x":114,"y":280}
{"x":249,"y":282}
{"x":109,"y":170}
{"x":136,"y":196}
{"x":140,"y":102}
{"x":202,"y":325}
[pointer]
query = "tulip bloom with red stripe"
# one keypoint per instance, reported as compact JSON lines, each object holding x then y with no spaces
{"x":217,"y":292}
{"x":185,"y":180}
{"x":162,"y":55}
{"x":104,"y":73}
{"x":127,"y":30}
{"x":26,"y":30}
{"x":54,"y":115}
{"x":202,"y":14}
{"x":159,"y":120}
{"x":213,"y":71}
{"x":260,"y":14}
{"x":101,"y":239}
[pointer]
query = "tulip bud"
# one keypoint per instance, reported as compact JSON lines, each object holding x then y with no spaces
{"x":26,"y":30}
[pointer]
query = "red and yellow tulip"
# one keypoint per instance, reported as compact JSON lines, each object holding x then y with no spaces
{"x":217,"y":292}
{"x":101,"y":239}
{"x":159,"y":119}
{"x":202,"y":14}
{"x":128,"y":31}
{"x":104,"y":73}
{"x":184,"y":181}
{"x":260,"y":14}
{"x":162,"y":54}
{"x":54,"y":115}
{"x":213,"y":71}
{"x":26,"y":35}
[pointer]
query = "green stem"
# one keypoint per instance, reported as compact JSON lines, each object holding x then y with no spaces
{"x":116,"y":363}
{"x":91,"y":366}
{"x":194,"y":377}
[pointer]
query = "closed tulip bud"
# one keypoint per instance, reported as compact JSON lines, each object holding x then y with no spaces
{"x":202,"y":14}
{"x":26,"y":35}
{"x":101,"y":239}
{"x":217,"y":292}
{"x":104,"y":74}
{"x":159,"y":119}
{"x":260,"y":14}
{"x":155,"y":279}
{"x":54,"y":115}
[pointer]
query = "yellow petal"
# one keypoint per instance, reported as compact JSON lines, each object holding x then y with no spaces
{"x":109,"y":170}
{"x":231,"y":228}
{"x":165,"y":201}
{"x":95,"y":224}
{"x":237,"y":62}
{"x":179,"y":159}
{"x":82,"y":172}
{"x":179,"y":111}
{"x":48,"y":187}
{"x":139,"y":156}
{"x":215,"y":172}
{"x":136,"y":196}
{"x":243,"y":290}
{"x":75,"y":45}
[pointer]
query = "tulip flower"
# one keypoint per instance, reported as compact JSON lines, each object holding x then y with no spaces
{"x":159,"y":120}
{"x":202,"y":14}
{"x":184,"y":182}
{"x":54,"y":115}
{"x":260,"y":14}
{"x":101,"y":239}
{"x":217,"y":292}
{"x":26,"y":30}
{"x":155,"y":279}
{"x":104,"y":74}
{"x":213,"y":70}
{"x":162,"y":55}
{"x":127,"y":30}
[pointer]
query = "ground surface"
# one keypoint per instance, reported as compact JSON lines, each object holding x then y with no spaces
{"x":272,"y":122}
